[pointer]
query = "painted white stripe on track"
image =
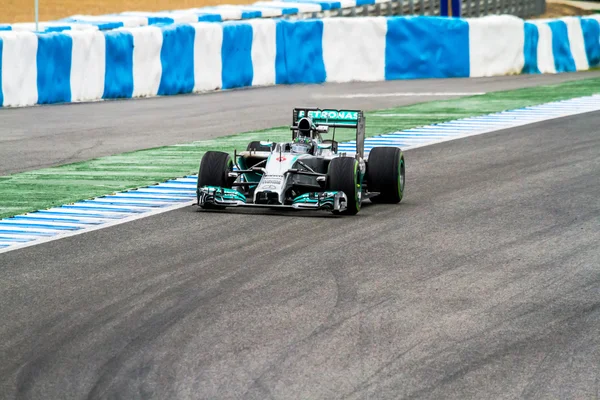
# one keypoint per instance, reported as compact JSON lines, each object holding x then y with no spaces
{"x":395,"y":94}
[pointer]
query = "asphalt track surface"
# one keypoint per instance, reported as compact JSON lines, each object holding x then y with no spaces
{"x":483,"y":283}
{"x":37,"y":137}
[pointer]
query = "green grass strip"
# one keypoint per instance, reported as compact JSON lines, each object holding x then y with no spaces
{"x":50,"y":187}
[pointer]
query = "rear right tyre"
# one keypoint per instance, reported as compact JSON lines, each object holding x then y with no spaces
{"x":386,"y":174}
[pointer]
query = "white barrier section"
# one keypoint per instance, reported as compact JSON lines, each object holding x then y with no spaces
{"x":147,"y":66}
{"x":30,"y":26}
{"x":127,"y":21}
{"x":302,"y":7}
{"x":264,"y":51}
{"x":577,"y":43}
{"x":545,"y":55}
{"x":19,"y":68}
{"x":350,"y":3}
{"x":208,"y":64}
{"x":226,"y":12}
{"x":266,"y":12}
{"x":354,"y":49}
{"x":496,"y":45}
{"x":88,"y":65}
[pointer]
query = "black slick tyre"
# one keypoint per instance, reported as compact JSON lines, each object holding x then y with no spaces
{"x":386,"y":174}
{"x":344,"y":175}
{"x":215,"y":167}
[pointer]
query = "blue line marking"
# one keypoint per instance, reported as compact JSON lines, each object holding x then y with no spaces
{"x":179,"y":182}
{"x":13,"y":239}
{"x":24,"y":232}
{"x":103,"y":216}
{"x":409,"y":135}
{"x":180,"y":191}
{"x":116,"y":210}
{"x":43,"y":226}
{"x":130,"y":204}
{"x":67,"y":220}
{"x":163,"y":199}
{"x":165,"y":192}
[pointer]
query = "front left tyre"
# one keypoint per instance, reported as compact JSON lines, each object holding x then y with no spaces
{"x":215,"y":167}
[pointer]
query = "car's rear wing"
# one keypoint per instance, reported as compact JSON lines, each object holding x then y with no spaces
{"x":352,"y":119}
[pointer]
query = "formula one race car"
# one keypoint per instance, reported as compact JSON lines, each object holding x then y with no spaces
{"x":307,"y":173}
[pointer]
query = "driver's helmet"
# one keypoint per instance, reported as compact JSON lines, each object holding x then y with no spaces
{"x":302,"y":145}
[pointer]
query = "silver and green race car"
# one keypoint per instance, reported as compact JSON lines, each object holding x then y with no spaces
{"x":307,"y":173}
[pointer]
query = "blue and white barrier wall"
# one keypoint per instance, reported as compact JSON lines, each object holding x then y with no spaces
{"x":218,"y":13}
{"x":88,"y":65}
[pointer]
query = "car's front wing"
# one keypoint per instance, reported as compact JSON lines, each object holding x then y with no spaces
{"x":224,"y":197}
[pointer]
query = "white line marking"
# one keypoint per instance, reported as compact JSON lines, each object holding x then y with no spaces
{"x":397,"y":94}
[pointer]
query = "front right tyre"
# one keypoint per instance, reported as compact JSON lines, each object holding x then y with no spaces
{"x":343,"y":175}
{"x":386,"y":174}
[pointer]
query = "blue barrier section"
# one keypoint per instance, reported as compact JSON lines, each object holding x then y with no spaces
{"x":236,"y":55}
{"x":210,"y":18}
{"x":249,"y":14}
{"x":591,"y":36}
{"x":118,"y":79}
{"x":304,"y":55}
{"x":281,"y":73}
{"x":561,"y":48}
{"x":177,"y":59}
{"x":102,"y":25}
{"x":160,"y":20}
{"x":532,"y":37}
{"x":54,"y":55}
{"x":414,"y":49}
{"x":50,"y":29}
{"x":450,"y":8}
{"x":1,"y":92}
